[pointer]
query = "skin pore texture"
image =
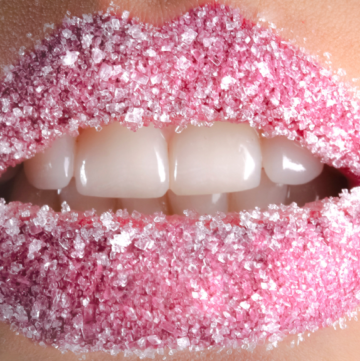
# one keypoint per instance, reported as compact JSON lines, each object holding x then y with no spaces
{"x":328,"y":26}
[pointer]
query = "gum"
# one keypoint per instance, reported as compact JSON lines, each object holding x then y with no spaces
{"x":117,"y":282}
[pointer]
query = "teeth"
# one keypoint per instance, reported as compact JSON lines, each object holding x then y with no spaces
{"x":144,"y":205}
{"x":203,"y":204}
{"x":328,"y":184}
{"x":287,"y":162}
{"x":223,"y":158}
{"x":81,"y":203}
{"x":168,"y":132}
{"x":216,"y":169}
{"x":53,"y":168}
{"x":24,"y":192}
{"x":263,"y":195}
{"x":117,"y":162}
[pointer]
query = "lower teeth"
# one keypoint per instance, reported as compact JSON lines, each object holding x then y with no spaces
{"x":329,"y":183}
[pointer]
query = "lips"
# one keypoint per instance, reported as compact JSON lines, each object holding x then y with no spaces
{"x":117,"y":282}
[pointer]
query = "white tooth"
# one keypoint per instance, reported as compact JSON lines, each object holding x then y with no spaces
{"x":119,"y":163}
{"x":144,"y":205}
{"x":9,"y":174}
{"x":223,"y":158}
{"x":78,"y":202}
{"x":263,"y":195}
{"x":203,"y":204}
{"x":54,"y":168}
{"x":24,"y":192}
{"x":168,"y":132}
{"x":328,"y":184}
{"x":287,"y":162}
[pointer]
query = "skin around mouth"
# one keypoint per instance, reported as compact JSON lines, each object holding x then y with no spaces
{"x":115,"y":282}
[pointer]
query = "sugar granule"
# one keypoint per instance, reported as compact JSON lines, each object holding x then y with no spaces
{"x":114,"y":283}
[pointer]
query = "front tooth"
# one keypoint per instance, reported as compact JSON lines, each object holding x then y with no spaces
{"x":223,"y":158}
{"x":81,"y":203}
{"x":203,"y":204}
{"x":119,"y":163}
{"x":24,"y":192}
{"x":287,"y":162}
{"x":54,"y":168}
{"x":328,"y":184}
{"x":144,"y":205}
{"x":263,"y":195}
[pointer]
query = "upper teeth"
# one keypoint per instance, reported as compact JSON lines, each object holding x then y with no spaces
{"x":204,"y":163}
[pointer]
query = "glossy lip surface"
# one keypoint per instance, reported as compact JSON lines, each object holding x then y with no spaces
{"x":116,"y":282}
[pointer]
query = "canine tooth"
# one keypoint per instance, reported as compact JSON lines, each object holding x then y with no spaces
{"x":263,"y":195}
{"x":78,"y":202}
{"x":9,"y":174}
{"x":328,"y":184}
{"x":287,"y":162}
{"x":144,"y":205}
{"x":203,"y":204}
{"x":223,"y":158}
{"x":54,"y":168}
{"x":119,"y":163}
{"x":24,"y":192}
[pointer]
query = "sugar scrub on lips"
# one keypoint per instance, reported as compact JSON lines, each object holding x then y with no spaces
{"x":139,"y":283}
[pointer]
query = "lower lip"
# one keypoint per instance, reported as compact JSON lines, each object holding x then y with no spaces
{"x":115,"y":282}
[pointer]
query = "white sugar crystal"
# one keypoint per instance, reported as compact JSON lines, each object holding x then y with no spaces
{"x":115,"y":23}
{"x":167,"y":47}
{"x":227,"y":81}
{"x":154,"y":340}
{"x":97,"y":55}
{"x":46,"y":70}
{"x":66,"y":33}
{"x":87,"y":40}
{"x":183,"y":342}
{"x":245,"y":305}
{"x":88,"y":18}
{"x":150,"y":52}
{"x":17,"y":112}
{"x":105,"y":72}
{"x":183,"y":63}
{"x":85,"y":302}
{"x":125,"y":15}
{"x":34,"y":247}
{"x":70,"y":58}
{"x":256,"y":297}
{"x":120,"y":241}
{"x":135,"y":115}
{"x":357,"y":295}
{"x":135,"y":32}
{"x":188,"y":36}
{"x":165,"y":118}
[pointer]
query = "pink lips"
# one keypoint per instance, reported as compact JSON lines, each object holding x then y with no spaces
{"x":118,"y":282}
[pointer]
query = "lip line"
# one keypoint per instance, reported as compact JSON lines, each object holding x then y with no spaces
{"x":117,"y":245}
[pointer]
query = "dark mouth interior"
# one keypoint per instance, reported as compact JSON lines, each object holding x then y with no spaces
{"x":329,"y":183}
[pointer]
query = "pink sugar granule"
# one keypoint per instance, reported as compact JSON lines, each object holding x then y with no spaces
{"x":84,"y":282}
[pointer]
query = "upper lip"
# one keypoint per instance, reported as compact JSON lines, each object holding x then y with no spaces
{"x":224,"y":268}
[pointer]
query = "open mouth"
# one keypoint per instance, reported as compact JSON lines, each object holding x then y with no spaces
{"x":226,"y":274}
{"x":225,"y":168}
